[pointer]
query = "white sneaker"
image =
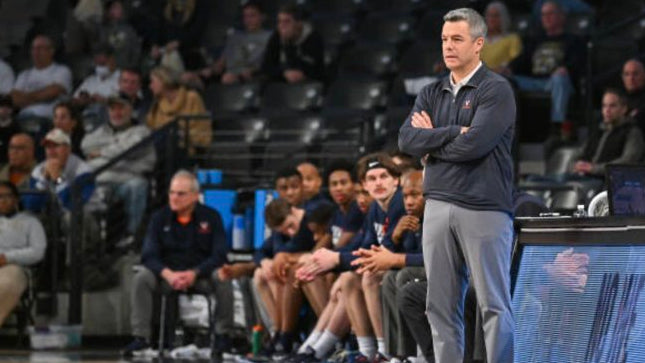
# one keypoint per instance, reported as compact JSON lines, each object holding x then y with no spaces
{"x":146,"y":353}
{"x":204,"y":353}
{"x":188,"y":351}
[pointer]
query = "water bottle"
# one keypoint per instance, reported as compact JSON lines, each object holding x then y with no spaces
{"x":239,"y":234}
{"x":580,"y":211}
{"x":256,"y":340}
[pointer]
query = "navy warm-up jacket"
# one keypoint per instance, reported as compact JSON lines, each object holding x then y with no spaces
{"x":200,"y":245}
{"x":473,"y":170}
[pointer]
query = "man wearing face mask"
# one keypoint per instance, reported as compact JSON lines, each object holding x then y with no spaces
{"x":97,"y":87}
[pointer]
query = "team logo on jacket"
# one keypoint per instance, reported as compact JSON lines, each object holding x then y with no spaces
{"x":336,"y":232}
{"x":204,"y":227}
{"x":380,"y":232}
{"x":466,"y":105}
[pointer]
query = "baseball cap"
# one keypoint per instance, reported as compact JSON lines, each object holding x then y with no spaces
{"x":57,"y":137}
{"x":121,"y":98}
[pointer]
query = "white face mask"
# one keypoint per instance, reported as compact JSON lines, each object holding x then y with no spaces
{"x":102,"y":71}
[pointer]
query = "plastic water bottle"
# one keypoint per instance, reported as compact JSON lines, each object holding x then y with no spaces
{"x":256,"y":340}
{"x":239,"y":234}
{"x":580,"y":211}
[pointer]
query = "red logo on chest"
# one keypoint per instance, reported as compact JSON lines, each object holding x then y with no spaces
{"x":466,"y":105}
{"x":204,"y":227}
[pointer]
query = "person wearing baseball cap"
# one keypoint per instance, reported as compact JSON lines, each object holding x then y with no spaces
{"x":60,"y":168}
{"x":126,"y":179}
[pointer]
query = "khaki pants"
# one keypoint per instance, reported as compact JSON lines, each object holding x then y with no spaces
{"x":13,"y":282}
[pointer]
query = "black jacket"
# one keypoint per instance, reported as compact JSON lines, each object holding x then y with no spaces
{"x":306,"y":55}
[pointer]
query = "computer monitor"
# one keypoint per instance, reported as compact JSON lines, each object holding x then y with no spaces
{"x":626,"y":190}
{"x":578,"y":292}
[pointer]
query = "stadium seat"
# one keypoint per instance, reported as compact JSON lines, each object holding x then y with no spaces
{"x":336,"y":31}
{"x":228,"y":100}
{"x":580,"y":24}
{"x":429,"y":27}
{"x":560,"y":161}
{"x":387,"y":28}
{"x":238,"y":130}
{"x":362,"y":95}
{"x":335,"y":7}
{"x":565,"y":201}
{"x":368,"y":60}
{"x":303,"y":130}
{"x":284,"y":98}
{"x":420,"y":58}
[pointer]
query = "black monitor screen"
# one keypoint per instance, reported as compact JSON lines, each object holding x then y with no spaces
{"x":580,"y":304}
{"x":626,"y":190}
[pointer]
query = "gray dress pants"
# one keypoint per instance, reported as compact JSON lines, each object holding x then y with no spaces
{"x":144,"y":286}
{"x":458,"y":241}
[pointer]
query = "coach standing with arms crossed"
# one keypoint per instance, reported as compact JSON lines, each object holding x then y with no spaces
{"x":464,"y":126}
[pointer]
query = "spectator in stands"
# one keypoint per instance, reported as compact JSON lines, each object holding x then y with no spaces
{"x":501,"y":46}
{"x":103,"y":83}
{"x":67,"y":119}
{"x":130,"y":86}
{"x":60,"y":169}
{"x":633,"y":76}
{"x":311,"y":181}
{"x":295,"y":50}
{"x":8,"y":126}
{"x":617,"y":141}
{"x":244,"y":50}
{"x":127,"y":179}
{"x":37,"y":89}
{"x":182,"y":28}
{"x":184,"y":247}
{"x":7,"y":78}
{"x":570,"y":7}
{"x":22,"y":161}
{"x":120,"y":35}
{"x":22,"y":243}
{"x":551,"y":62}
{"x":173,"y":100}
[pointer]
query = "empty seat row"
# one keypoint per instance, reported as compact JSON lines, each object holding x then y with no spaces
{"x":230,"y":100}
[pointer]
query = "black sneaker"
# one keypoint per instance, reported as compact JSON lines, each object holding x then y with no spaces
{"x":309,"y":356}
{"x":138,"y":345}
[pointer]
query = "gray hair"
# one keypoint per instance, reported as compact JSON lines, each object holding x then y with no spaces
{"x":503,"y":13}
{"x":475,"y":21}
{"x":183,"y":173}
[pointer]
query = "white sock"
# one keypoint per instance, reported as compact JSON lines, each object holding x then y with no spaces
{"x":325,"y":344}
{"x":311,"y":339}
{"x":367,"y":347}
{"x":380,"y":343}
